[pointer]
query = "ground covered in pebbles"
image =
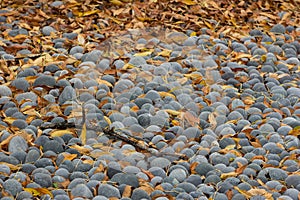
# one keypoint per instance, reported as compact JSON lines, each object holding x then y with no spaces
{"x":149,"y":100}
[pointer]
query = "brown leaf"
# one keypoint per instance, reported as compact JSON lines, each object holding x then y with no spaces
{"x":127,"y":191}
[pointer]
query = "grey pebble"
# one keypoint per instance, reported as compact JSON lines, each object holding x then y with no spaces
{"x":12,"y":186}
{"x":47,"y":30}
{"x":16,"y":144}
{"x":81,"y":190}
{"x":108,"y":191}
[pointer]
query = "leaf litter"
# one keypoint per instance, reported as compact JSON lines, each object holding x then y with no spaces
{"x":116,"y":17}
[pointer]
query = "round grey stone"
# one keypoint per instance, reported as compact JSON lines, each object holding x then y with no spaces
{"x":160,"y":162}
{"x":129,"y":179}
{"x":12,"y":186}
{"x":44,"y":80}
{"x":67,"y":94}
{"x":81,"y":190}
{"x":43,"y":180}
{"x":47,"y":30}
{"x":5,"y":91}
{"x":16,"y":144}
{"x":108,"y":191}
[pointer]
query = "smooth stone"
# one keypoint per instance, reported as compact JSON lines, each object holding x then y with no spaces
{"x":44,"y":80}
{"x":203,"y":168}
{"x":160,"y":162}
{"x":43,"y":180}
{"x":129,"y":179}
{"x":108,"y":191}
{"x":12,"y":186}
{"x":47,"y":30}
{"x":16,"y":144}
{"x":5,"y":91}
{"x":67,"y":94}
{"x":138,"y":194}
{"x":292,"y":180}
{"x":81,"y":190}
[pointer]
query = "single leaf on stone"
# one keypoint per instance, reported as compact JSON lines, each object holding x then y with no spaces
{"x":212,"y":120}
{"x":59,"y":133}
{"x":127,"y":191}
{"x":69,"y":156}
{"x":240,"y":168}
{"x":38,"y":191}
{"x":229,"y":174}
{"x":11,"y":166}
{"x":82,"y":150}
{"x":166,"y":94}
{"x":164,"y":53}
{"x":83,"y":134}
{"x":9,"y":120}
{"x":193,"y":167}
{"x":229,"y":147}
{"x":190,"y":118}
{"x":295,"y":131}
{"x":97,"y":154}
{"x":243,"y":192}
{"x":145,"y":53}
{"x":81,"y":39}
{"x":172,"y":112}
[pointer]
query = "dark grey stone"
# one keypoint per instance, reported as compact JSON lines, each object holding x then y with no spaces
{"x":108,"y":191}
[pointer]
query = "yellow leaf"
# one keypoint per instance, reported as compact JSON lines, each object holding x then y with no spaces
{"x":188,"y":2}
{"x":243,"y":192}
{"x":172,"y":112}
{"x":166,"y":94}
{"x":116,"y":2}
{"x":295,"y":131}
{"x":100,"y":81}
{"x":9,"y":120}
{"x":193,"y":76}
{"x":165,"y":53}
{"x":128,"y":66}
{"x":193,"y":34}
{"x":145,"y":53}
{"x":91,"y":12}
{"x":69,"y":156}
{"x":83,"y":134}
{"x":229,"y":174}
{"x":229,"y":147}
{"x":107,"y":120}
{"x":38,"y":191}
{"x":59,"y":133}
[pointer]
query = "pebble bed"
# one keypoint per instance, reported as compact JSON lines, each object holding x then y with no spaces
{"x":231,"y":107}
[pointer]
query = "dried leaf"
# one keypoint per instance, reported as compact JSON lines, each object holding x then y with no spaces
{"x":59,"y":133}
{"x":145,"y":53}
{"x":229,"y":174}
{"x":82,"y":150}
{"x":188,"y":2}
{"x":38,"y":191}
{"x":11,"y":166}
{"x":83,"y":134}
{"x":69,"y":156}
{"x":172,"y":112}
{"x":127,"y":191}
{"x":166,"y":94}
